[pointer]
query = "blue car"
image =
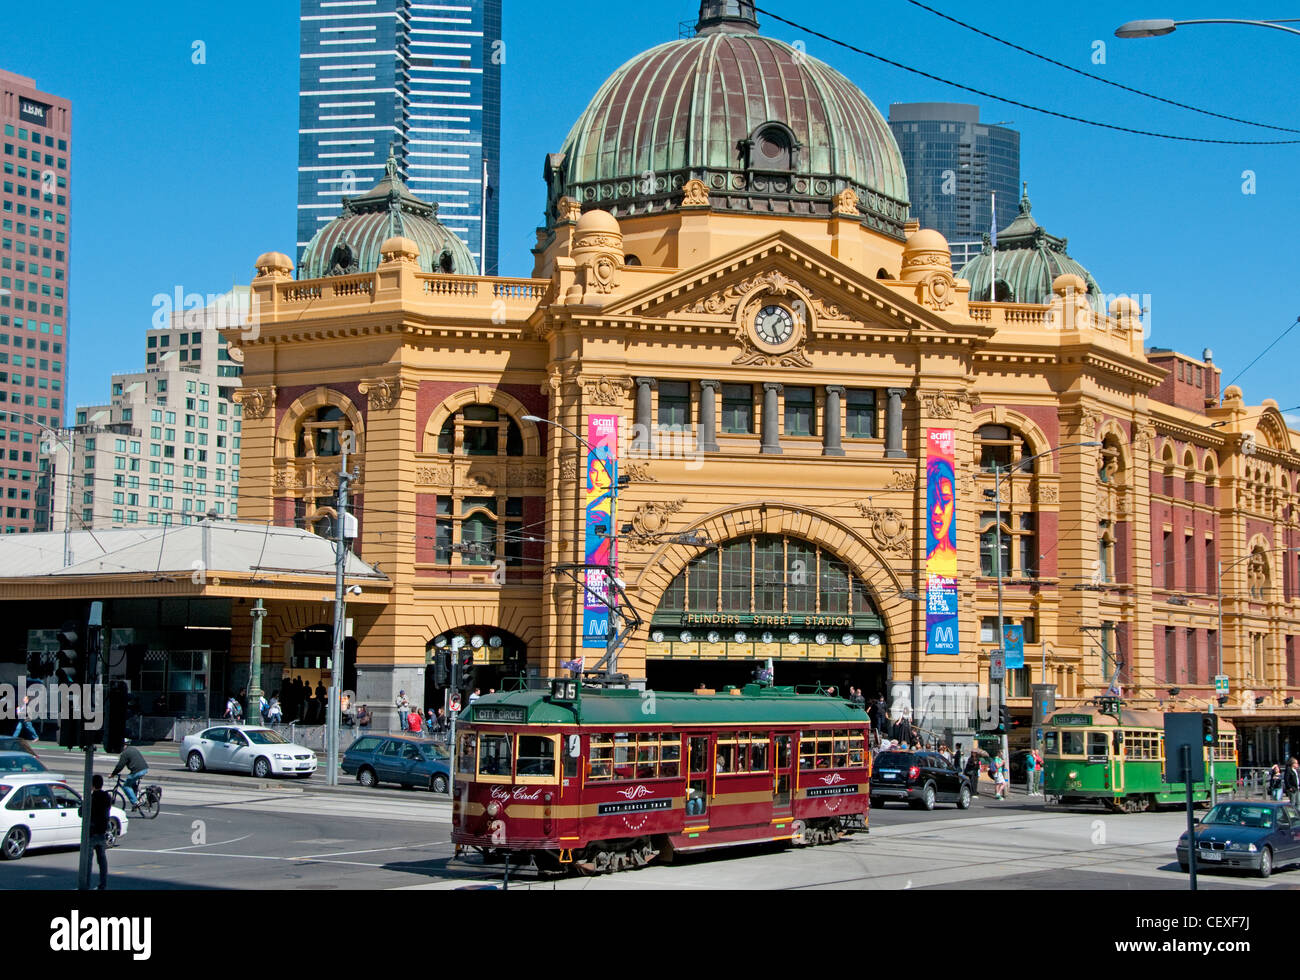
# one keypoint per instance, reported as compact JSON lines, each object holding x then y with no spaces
{"x":407,"y":760}
{"x":1258,"y":835}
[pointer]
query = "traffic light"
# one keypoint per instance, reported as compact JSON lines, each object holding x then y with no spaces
{"x":441,"y":668}
{"x":115,"y":722}
{"x":69,"y":660}
{"x":1004,"y":719}
{"x":1209,"y":728}
{"x":466,"y":665}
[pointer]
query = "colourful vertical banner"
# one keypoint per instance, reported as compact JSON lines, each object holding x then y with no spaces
{"x":602,"y":478}
{"x":941,"y":632}
{"x":1013,"y":643}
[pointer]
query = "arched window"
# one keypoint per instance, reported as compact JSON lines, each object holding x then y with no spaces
{"x":321,"y":433}
{"x":773,"y":149}
{"x":1000,"y":445}
{"x":480,"y":430}
{"x":1111,"y":469}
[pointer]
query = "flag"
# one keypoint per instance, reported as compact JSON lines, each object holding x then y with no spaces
{"x":993,"y":250}
{"x":573,"y":665}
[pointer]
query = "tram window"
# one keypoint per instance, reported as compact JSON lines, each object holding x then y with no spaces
{"x":1051,"y":743}
{"x":742,"y":752}
{"x":647,"y":760}
{"x":1071,"y":743}
{"x":1142,"y":745}
{"x":758,"y":755}
{"x":467,"y":755}
{"x":670,"y":756}
{"x":601,"y":764}
{"x":835,"y":749}
{"x":726,"y":756}
{"x":494,"y":756}
{"x":646,"y":756}
{"x":699,"y":754}
{"x":570,"y":756}
{"x":1098,"y":743}
{"x":536,"y":756}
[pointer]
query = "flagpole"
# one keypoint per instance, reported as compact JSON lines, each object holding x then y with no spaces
{"x":993,"y":250}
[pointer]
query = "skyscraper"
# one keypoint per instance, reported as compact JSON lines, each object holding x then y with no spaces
{"x":422,"y":81}
{"x":954,"y":163}
{"x":34,"y":222}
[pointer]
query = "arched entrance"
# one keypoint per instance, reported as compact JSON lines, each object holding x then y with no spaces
{"x":495,"y":654}
{"x":309,"y":662}
{"x":763,"y":597}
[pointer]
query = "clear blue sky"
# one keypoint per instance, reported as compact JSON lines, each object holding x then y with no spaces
{"x":183,"y":174}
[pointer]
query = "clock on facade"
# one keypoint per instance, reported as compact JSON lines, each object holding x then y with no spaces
{"x":773,"y":325}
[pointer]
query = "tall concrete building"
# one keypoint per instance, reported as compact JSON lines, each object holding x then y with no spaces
{"x":34,"y":222}
{"x":954,"y":164}
{"x":420,"y":82}
{"x":165,"y":448}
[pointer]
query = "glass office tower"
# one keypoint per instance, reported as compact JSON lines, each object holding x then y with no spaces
{"x":954,"y":163}
{"x":422,"y":81}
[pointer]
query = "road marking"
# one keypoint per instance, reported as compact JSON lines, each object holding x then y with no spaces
{"x":219,"y":843}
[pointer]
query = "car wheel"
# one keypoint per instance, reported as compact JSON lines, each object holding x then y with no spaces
{"x":194,"y":762}
{"x":963,"y":798}
{"x":114,"y":831}
{"x":366,"y":777}
{"x":927,"y":797}
{"x":1266,"y":862}
{"x":262,"y":767}
{"x":15,"y":844}
{"x":439,"y":784}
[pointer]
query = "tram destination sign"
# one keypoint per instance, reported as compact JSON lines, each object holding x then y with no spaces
{"x":1072,"y":719}
{"x":831,"y":790}
{"x":638,"y":806}
{"x":514,"y":714}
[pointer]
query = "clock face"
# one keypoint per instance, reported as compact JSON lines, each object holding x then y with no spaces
{"x":774,"y":325}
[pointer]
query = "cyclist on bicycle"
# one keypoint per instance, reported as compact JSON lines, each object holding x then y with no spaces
{"x":132,"y":760}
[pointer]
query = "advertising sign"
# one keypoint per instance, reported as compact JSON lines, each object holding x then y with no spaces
{"x":1013,"y":642}
{"x":941,"y":631}
{"x":602,"y":477}
{"x":32,"y":111}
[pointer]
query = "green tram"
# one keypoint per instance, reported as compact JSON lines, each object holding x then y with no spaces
{"x":1117,"y":758}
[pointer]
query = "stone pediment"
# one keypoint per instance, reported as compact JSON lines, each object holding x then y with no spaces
{"x":832,"y":297}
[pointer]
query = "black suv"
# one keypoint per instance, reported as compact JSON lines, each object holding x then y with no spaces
{"x":920,"y":778}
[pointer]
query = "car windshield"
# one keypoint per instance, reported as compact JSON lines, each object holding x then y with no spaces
{"x":264,"y":736}
{"x":1240,"y":815}
{"x":895,"y":760}
{"x":20,"y":762}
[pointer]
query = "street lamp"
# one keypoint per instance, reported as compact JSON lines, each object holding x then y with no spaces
{"x":611,"y":634}
{"x":997,"y":558}
{"x":1158,"y":28}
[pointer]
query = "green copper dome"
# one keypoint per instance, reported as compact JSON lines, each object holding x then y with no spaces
{"x":1028,"y":260}
{"x":766,"y":127}
{"x":350,"y":243}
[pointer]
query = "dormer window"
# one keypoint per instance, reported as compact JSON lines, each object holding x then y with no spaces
{"x":772,"y":147}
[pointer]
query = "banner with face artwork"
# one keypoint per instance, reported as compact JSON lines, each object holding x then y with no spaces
{"x":602,"y":476}
{"x":941,"y":632}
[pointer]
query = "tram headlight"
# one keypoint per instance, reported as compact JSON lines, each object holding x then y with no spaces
{"x":493,"y":808}
{"x":1072,"y":774}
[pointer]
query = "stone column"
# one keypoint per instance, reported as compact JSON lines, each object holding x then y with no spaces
{"x":708,"y":441}
{"x":894,"y":424}
{"x":831,"y":422}
{"x":771,"y":421}
{"x":643,"y":420}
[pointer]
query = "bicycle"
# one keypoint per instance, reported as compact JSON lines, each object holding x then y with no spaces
{"x":147,"y":799}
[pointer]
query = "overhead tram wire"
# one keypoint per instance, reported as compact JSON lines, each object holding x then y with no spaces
{"x":1265,"y":351}
{"x":1098,"y":78}
{"x":1015,"y":102}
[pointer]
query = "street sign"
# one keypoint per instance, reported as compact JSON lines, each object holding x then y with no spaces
{"x":997,"y":665}
{"x":1184,"y":728}
{"x":1220,"y":684}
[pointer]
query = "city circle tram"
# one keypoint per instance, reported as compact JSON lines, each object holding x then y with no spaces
{"x":1117,"y":758}
{"x":598,"y":779}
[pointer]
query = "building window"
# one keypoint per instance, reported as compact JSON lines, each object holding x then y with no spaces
{"x":1105,"y":552}
{"x":1193,"y":659}
{"x":1167,"y":570}
{"x":738,"y":409}
{"x":799,"y":409}
{"x":321,"y":433}
{"x":860,"y":413}
{"x":998,"y":445}
{"x":477,"y":430}
{"x":674,"y":405}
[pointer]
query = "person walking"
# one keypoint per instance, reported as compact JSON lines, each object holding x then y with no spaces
{"x":25,"y":721}
{"x":1291,"y":782}
{"x":100,"y":806}
{"x":998,"y":770}
{"x":973,"y":772}
{"x":1275,"y":782}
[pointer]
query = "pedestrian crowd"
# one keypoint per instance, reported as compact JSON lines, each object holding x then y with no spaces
{"x":1285,"y":782}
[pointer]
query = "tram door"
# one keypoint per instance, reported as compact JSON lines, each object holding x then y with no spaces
{"x":783,"y":766}
{"x":697,"y":785}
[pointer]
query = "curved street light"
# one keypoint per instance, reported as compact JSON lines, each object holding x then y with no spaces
{"x":1161,"y":27}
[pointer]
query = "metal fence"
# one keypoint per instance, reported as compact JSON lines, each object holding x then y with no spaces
{"x":150,"y":728}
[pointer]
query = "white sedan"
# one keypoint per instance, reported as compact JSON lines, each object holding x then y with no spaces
{"x":40,"y":810}
{"x":247,"y":748}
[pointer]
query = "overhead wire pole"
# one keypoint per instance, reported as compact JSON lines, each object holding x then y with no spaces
{"x":336,"y":651}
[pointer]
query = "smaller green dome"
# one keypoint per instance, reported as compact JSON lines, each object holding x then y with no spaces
{"x":350,"y":243}
{"x":1029,"y":259}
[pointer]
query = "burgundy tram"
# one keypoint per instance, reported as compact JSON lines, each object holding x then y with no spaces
{"x":594,"y":780}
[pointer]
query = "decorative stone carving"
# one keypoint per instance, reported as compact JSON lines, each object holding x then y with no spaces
{"x":1145,"y":439}
{"x":639,"y":473}
{"x":725,"y":301}
{"x":1046,"y":493}
{"x":945,"y":404}
{"x":568,"y":467}
{"x":650,"y":519}
{"x":938,"y":291}
{"x":695,"y":194}
{"x":597,"y":254}
{"x":796,"y":356}
{"x":570,"y":209}
{"x":966,"y":484}
{"x":887,"y":527}
{"x":438,"y":475}
{"x":607,"y":391}
{"x":382,"y":393}
{"x":846,"y":202}
{"x":257,"y":402}
{"x":1089,"y":421}
{"x":902,"y":481}
{"x":520,"y":475}
{"x":479,"y":477}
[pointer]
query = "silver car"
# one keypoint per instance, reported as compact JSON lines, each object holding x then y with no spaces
{"x":247,"y":748}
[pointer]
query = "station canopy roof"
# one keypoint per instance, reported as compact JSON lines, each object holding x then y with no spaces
{"x":258,"y":552}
